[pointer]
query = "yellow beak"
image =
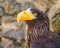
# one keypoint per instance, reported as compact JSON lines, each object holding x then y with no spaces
{"x":25,"y":15}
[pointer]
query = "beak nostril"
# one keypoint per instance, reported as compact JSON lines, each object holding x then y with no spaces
{"x":24,"y":13}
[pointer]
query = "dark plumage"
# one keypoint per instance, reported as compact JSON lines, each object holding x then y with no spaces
{"x":39,"y":34}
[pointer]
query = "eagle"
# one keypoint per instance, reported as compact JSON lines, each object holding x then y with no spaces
{"x":39,"y":34}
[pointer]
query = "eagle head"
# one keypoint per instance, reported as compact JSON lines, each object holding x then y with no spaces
{"x":32,"y":14}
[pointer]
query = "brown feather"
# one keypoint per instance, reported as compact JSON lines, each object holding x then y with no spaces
{"x":39,"y":34}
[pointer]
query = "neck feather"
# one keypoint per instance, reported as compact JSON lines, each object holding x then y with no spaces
{"x":37,"y":26}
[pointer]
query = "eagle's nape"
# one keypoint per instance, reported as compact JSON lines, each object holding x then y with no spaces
{"x":39,"y":34}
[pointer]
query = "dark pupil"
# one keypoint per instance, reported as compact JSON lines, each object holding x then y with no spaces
{"x":33,"y":12}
